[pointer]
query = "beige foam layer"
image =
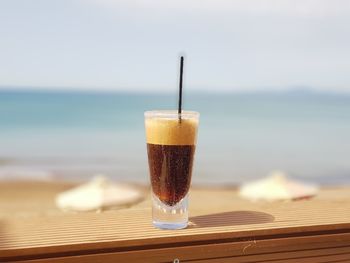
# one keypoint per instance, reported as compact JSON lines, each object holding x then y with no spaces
{"x":171,"y":131}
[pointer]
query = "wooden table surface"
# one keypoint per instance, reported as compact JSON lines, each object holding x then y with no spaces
{"x":223,"y":228}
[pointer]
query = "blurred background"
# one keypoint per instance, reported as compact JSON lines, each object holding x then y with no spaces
{"x":270,"y":79}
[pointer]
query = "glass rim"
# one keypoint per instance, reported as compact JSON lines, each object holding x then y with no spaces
{"x":171,"y":114}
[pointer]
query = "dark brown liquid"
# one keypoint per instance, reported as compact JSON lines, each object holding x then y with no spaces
{"x":170,"y":169}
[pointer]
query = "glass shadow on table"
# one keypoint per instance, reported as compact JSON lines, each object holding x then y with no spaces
{"x":232,"y":218}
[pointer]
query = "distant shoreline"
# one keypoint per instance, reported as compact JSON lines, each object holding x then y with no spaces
{"x":31,"y":169}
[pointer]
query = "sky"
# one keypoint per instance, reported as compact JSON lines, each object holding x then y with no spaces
{"x":229,"y":45}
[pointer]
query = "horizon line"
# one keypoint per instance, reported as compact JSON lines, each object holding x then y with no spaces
{"x":261,"y":89}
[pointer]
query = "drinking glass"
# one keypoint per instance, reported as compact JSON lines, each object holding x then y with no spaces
{"x":171,"y":141}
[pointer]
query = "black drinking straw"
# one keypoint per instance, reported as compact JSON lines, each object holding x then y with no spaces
{"x":180,"y":87}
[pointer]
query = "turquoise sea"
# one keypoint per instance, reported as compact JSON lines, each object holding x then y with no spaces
{"x":242,"y":136}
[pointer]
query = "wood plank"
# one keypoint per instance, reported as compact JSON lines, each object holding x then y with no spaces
{"x":31,"y":227}
{"x":240,"y":252}
{"x":316,"y":259}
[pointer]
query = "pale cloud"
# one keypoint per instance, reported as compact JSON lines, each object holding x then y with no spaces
{"x":318,"y":8}
{"x":134,"y":45}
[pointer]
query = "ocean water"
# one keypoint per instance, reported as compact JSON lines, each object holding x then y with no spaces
{"x":242,"y":136}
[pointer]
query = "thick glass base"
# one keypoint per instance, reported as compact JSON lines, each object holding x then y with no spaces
{"x":170,"y":217}
{"x":163,"y":225}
